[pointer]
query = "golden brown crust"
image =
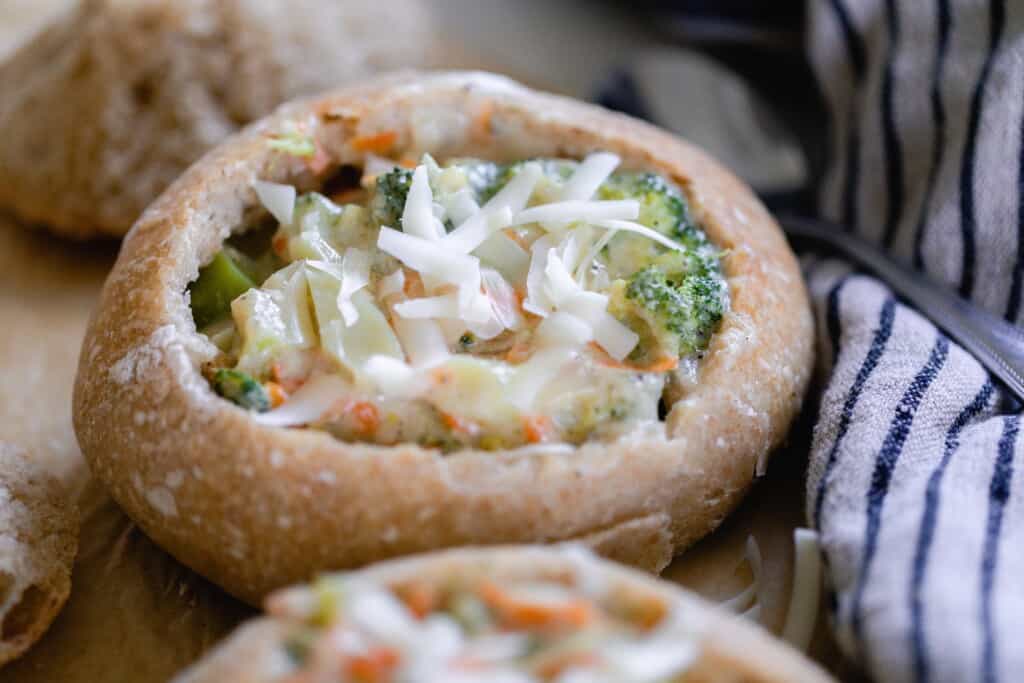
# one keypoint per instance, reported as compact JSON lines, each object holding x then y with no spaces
{"x":38,"y":541}
{"x":254,"y":508}
{"x":731,"y":648}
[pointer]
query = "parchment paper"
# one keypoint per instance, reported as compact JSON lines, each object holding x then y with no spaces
{"x":137,"y":615}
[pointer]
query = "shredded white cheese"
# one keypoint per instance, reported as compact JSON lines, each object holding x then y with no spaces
{"x":559,"y":285}
{"x":537,"y":301}
{"x":310,"y":403}
{"x":748,"y":601}
{"x":418,"y":217}
{"x":803,"y":601}
{"x":592,"y":253}
{"x":461,"y":205}
{"x":553,"y":271}
{"x":630,"y":226}
{"x":563,"y":329}
{"x":445,"y":306}
{"x":428,"y":257}
{"x":589,"y":175}
{"x":502,"y":299}
{"x":278,"y":199}
{"x":579,"y":211}
{"x":460,"y":294}
{"x":422,"y":340}
{"x":611,"y":335}
{"x":502,"y":252}
{"x":509,"y":201}
{"x":355,"y":274}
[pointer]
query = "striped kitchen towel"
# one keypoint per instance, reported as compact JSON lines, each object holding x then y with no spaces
{"x":916,"y":476}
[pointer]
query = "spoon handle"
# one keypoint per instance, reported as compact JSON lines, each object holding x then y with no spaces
{"x":996,"y":344}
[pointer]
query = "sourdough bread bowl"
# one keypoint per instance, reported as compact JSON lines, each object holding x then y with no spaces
{"x":38,"y":543}
{"x":113,"y":99}
{"x":255,"y":506}
{"x":515,"y":614}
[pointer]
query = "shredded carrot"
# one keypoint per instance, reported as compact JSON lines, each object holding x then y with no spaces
{"x":421,"y":598}
{"x":537,"y":428}
{"x":458,"y":424}
{"x":553,"y":667}
{"x":516,"y":237}
{"x":375,"y":142}
{"x":482,"y":122}
{"x":522,"y":614}
{"x":375,"y":666}
{"x":366,"y":415}
{"x":407,"y":162}
{"x":276,"y":392}
{"x":661,"y":365}
{"x":288,"y":385}
{"x":602,"y":357}
{"x":279,"y":244}
{"x":413,"y":284}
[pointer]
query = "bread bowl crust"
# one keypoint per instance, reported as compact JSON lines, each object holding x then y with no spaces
{"x":39,"y":541}
{"x":254,"y":508}
{"x":730,"y":648}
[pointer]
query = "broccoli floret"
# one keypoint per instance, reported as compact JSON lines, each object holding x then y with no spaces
{"x":704,"y":260}
{"x":707,"y":297}
{"x":662,"y":206}
{"x":218,"y":284}
{"x":241,"y":389}
{"x":389,"y":199}
{"x":675,"y":318}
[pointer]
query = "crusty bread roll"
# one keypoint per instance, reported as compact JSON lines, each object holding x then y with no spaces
{"x":728,"y":648}
{"x":38,"y":541}
{"x":106,"y":106}
{"x":254,"y":508}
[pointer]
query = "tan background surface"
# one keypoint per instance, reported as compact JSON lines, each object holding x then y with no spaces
{"x":134,"y":613}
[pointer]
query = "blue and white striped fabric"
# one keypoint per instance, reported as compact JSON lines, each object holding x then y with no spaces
{"x":916,"y":478}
